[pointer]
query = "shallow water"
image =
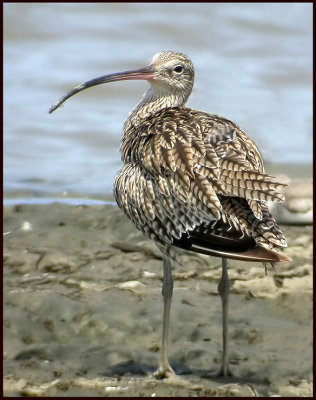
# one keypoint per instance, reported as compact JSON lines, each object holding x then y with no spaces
{"x":253,"y":65}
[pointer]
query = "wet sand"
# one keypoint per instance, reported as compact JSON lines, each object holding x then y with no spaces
{"x":83,"y":312}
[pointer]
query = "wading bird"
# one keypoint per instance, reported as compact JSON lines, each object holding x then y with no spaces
{"x":191,"y":180}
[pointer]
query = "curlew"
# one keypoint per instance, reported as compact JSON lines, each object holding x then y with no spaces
{"x":191,"y":180}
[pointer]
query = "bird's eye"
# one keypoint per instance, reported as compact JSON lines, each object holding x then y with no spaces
{"x":178,"y":69}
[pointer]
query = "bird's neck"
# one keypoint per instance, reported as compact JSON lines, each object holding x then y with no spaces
{"x":151,"y":102}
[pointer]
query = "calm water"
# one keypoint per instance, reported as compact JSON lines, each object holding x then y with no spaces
{"x":253,"y":65}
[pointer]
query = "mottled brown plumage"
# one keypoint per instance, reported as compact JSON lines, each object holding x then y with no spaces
{"x":185,"y":169}
{"x":192,"y":180}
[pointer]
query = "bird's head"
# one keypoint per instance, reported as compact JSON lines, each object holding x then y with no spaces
{"x":173,"y":72}
{"x":168,"y":73}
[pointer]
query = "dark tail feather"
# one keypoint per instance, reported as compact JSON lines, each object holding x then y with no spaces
{"x":257,"y":254}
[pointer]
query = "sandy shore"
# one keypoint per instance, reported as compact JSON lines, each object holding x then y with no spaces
{"x":83,"y":312}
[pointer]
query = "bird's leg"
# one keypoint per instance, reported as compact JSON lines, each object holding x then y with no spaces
{"x":164,"y":370}
{"x":223,"y":290}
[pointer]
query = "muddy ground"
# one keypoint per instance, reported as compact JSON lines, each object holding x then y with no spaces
{"x":83,"y":312}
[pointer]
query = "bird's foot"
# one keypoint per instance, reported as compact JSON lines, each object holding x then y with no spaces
{"x":164,"y":371}
{"x":224,"y":371}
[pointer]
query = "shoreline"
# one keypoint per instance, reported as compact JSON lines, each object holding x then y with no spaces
{"x":83,"y":311}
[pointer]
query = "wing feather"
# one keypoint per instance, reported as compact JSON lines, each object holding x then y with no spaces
{"x":193,"y":169}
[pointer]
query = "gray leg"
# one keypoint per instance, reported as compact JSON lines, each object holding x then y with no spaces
{"x":223,"y":290}
{"x":164,"y":370}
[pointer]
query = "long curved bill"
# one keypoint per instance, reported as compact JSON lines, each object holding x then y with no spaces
{"x":145,"y":73}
